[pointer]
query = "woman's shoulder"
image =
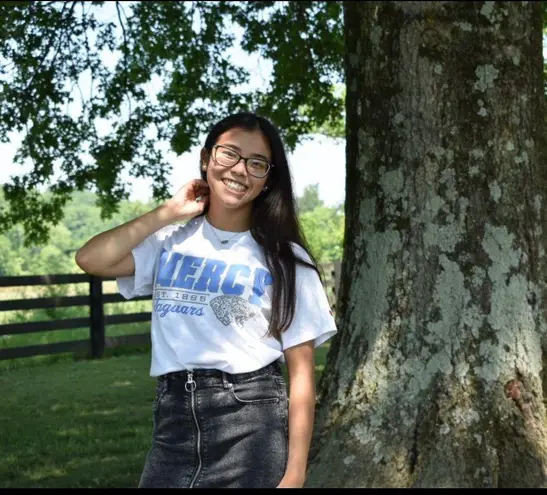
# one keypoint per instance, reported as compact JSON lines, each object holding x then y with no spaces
{"x":178,"y":231}
{"x":301,"y":253}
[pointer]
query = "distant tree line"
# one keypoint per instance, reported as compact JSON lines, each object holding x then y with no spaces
{"x":323,"y":227}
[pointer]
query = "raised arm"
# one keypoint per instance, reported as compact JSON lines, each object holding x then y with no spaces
{"x":109,"y":254}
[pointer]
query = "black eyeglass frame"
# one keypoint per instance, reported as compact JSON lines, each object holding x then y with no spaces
{"x":270,"y":165}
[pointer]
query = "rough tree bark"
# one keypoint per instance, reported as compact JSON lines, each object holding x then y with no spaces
{"x":435,"y":379}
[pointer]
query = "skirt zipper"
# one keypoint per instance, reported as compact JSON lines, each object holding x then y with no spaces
{"x":190,"y":386}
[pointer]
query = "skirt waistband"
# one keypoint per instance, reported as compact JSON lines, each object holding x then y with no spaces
{"x":206,"y":374}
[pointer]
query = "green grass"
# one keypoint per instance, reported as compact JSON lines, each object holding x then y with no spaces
{"x":79,"y":423}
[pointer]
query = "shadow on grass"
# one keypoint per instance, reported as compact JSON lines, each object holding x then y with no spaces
{"x":76,"y":424}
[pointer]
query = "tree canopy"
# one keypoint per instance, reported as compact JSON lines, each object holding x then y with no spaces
{"x":149,"y":72}
{"x":310,"y":199}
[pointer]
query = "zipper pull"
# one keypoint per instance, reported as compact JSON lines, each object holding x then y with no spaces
{"x":190,"y":384}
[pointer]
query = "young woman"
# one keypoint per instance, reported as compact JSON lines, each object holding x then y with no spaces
{"x":234,"y":293}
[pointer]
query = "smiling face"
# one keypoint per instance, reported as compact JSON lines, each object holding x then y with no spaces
{"x":233,"y":189}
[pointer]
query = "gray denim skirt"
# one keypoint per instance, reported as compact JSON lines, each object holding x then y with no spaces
{"x":213,"y":429}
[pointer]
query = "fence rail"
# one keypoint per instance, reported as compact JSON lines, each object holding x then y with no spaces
{"x":97,"y":320}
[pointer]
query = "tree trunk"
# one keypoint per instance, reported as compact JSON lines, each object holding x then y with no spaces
{"x":435,"y":379}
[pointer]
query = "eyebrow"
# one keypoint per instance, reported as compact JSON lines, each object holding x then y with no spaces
{"x":237,"y":148}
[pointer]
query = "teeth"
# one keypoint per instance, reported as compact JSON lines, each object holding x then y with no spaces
{"x":234,"y":186}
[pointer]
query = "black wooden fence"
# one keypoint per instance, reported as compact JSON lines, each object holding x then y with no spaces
{"x":96,"y":321}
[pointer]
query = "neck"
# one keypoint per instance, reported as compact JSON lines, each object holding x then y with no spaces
{"x":230,"y":220}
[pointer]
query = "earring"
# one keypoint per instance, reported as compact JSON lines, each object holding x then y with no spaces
{"x":265,"y":188}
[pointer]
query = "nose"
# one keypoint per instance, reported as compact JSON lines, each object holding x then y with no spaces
{"x":239,"y":168}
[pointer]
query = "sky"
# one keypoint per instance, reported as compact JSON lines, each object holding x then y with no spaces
{"x":320,"y":160}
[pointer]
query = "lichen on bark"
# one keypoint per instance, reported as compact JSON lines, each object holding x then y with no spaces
{"x":435,"y":378}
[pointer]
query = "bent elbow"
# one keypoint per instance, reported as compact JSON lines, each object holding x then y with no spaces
{"x":83,"y":262}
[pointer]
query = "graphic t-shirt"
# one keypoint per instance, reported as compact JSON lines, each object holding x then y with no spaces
{"x":212,"y":301}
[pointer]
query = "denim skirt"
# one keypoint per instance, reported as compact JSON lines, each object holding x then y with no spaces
{"x":213,"y":429}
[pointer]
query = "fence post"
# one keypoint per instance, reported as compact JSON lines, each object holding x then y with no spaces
{"x":96,"y":313}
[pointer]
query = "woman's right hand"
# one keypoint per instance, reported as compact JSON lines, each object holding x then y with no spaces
{"x":190,"y":200}
{"x":108,"y":254}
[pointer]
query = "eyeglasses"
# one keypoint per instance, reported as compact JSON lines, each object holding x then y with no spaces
{"x":227,"y":157}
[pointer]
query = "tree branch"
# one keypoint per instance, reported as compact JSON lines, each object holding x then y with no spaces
{"x":88,"y":49}
{"x":48,"y":48}
{"x":118,"y":6}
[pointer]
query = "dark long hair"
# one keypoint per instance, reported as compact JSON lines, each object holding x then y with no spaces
{"x":274,"y":223}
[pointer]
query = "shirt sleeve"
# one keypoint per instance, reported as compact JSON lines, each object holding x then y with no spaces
{"x":145,"y":254}
{"x":313,"y":318}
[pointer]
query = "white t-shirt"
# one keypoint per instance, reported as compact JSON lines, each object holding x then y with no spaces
{"x":211,"y":302}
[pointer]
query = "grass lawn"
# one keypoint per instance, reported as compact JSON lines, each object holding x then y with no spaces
{"x":76,"y":424}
